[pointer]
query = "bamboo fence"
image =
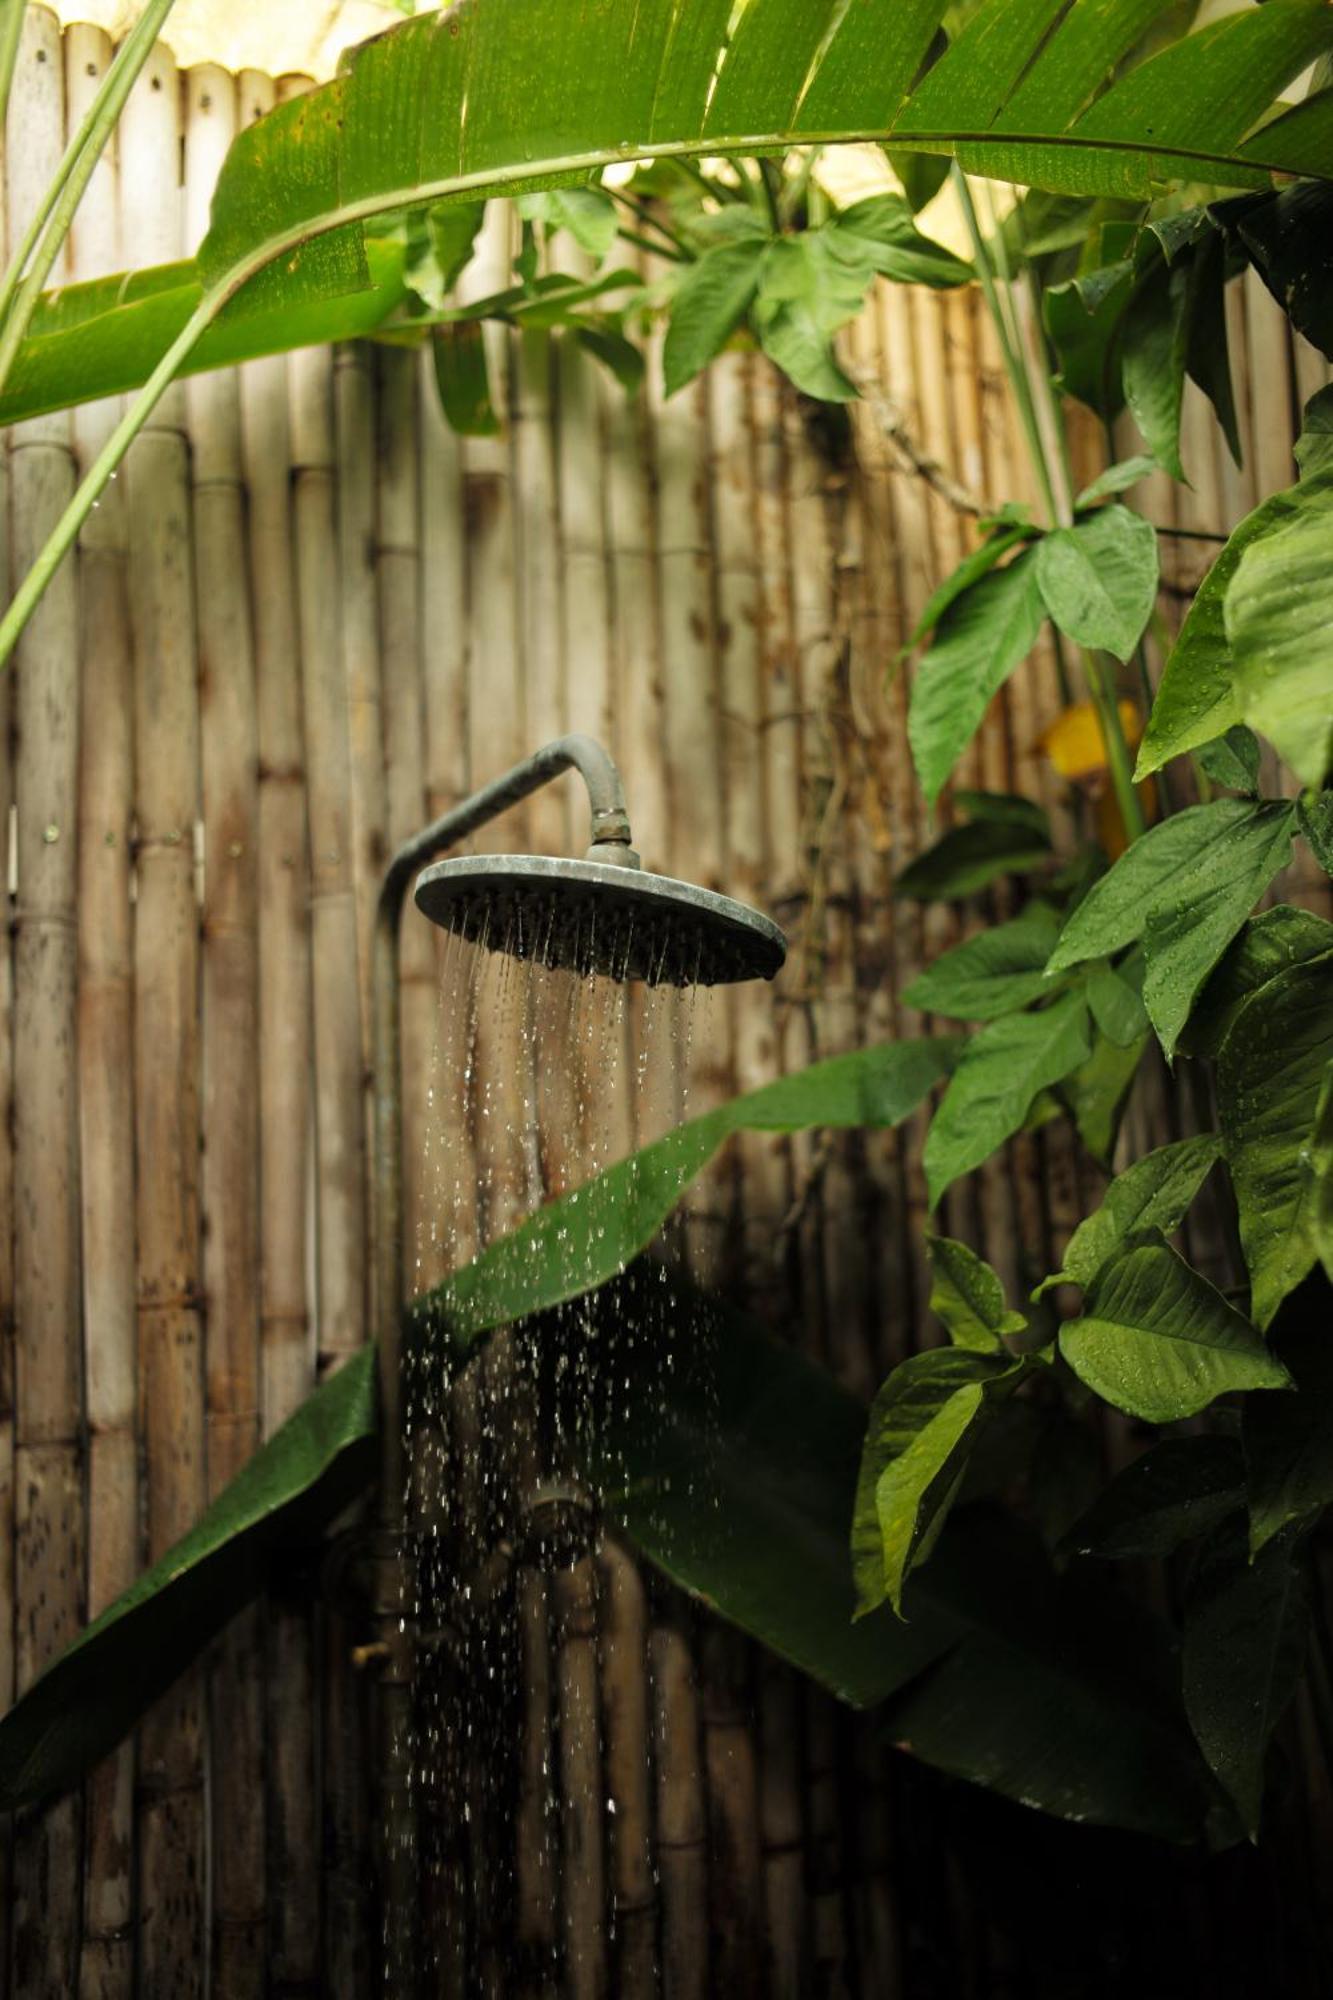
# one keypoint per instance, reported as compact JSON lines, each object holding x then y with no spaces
{"x":306,"y":619}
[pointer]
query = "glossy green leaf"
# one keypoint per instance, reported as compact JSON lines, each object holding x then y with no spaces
{"x":1153,"y":360}
{"x":1268,"y":944}
{"x":1270,"y":1074}
{"x":923,"y":1425}
{"x":1001,"y":1071}
{"x":1083,"y":318}
{"x":979,"y":640}
{"x":1278,"y":631}
{"x":1190,"y":925}
{"x":1098,"y":579}
{"x":1288,"y":1440}
{"x":1320,"y":1169}
{"x":1097,"y":1092}
{"x":1242,"y":1650}
{"x":1179,"y":1490}
{"x":1117,"y":478}
{"x":280,"y":1502}
{"x":578,"y":1242}
{"x":707,"y":305}
{"x":1207,"y":354}
{"x":1068,"y":1701}
{"x":880,"y":233}
{"x":1314,"y":816}
{"x":732,"y":1462}
{"x":808,"y":288}
{"x":1232,"y":760}
{"x":967,"y":1295}
{"x":1284,"y":232}
{"x":455,"y":105}
{"x":1117,"y":1004}
{"x":1114,"y":913}
{"x":1158,"y":1341}
{"x":966,"y":859}
{"x":463,"y":379}
{"x":993,"y":973}
{"x":976,"y":564}
{"x":1153,"y":1194}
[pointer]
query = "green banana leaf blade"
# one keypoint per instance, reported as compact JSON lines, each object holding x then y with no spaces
{"x":93,"y":1695}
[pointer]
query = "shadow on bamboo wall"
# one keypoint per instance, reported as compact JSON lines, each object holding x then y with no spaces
{"x":306,"y":619}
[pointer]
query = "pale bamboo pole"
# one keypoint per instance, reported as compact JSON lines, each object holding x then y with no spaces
{"x":356,"y":443}
{"x":230,"y":1020}
{"x":106,"y":1067}
{"x":397,"y":580}
{"x":341,"y":1276}
{"x":172,"y":1837}
{"x":48,"y":1401}
{"x":286,"y":1348}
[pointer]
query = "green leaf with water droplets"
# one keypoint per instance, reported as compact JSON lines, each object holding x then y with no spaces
{"x":1158,"y":1341}
{"x":1270,"y":1076}
{"x":1115,"y":911}
{"x":1232,"y":760}
{"x":1268,"y":944}
{"x":1099,"y":578}
{"x":967,"y":1295}
{"x":1288,"y":1440}
{"x":923,"y":1426}
{"x":1153,"y":1194}
{"x":995,"y":972}
{"x":1190,"y":925}
{"x":1002,"y":1071}
{"x":1281,"y":639}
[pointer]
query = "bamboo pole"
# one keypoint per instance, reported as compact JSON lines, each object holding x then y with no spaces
{"x":7,"y":1191}
{"x":357,"y":441}
{"x":106,"y":1069}
{"x":292,"y":1763}
{"x":48,"y":1405}
{"x":341,"y":1278}
{"x":682,"y":1827}
{"x":171,"y":1814}
{"x":229,"y":743}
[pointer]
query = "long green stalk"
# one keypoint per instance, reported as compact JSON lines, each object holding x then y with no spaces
{"x":31,"y":263}
{"x":63,"y":536}
{"x":1030,"y":381}
{"x":11,"y":28}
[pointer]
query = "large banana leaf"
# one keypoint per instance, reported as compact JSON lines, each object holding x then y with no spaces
{"x":576,"y":1243}
{"x":731,"y":1461}
{"x":276,"y":1506}
{"x":494,"y":96}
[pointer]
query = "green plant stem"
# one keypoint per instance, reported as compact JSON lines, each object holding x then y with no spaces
{"x":795,"y":192}
{"x":11,"y":28}
{"x":646,"y":215}
{"x":653,"y":247}
{"x":770,"y":176}
{"x":62,"y":537}
{"x":31,"y":263}
{"x":1013,"y":368}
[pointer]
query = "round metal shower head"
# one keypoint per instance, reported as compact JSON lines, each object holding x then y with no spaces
{"x":597,"y":916}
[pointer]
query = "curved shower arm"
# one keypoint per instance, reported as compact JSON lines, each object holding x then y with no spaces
{"x":611,"y":841}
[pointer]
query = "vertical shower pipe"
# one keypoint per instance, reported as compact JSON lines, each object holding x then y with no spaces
{"x":611,"y":841}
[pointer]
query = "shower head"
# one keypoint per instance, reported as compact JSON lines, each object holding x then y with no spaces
{"x":605,"y":917}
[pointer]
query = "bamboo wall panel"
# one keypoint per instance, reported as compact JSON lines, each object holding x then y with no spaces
{"x":306,"y":619}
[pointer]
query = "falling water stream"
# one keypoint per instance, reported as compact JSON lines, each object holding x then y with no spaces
{"x":538,"y":1080}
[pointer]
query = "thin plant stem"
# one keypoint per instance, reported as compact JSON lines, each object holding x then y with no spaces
{"x":646,"y":215}
{"x":11,"y":28}
{"x":654,"y":247}
{"x":770,"y":175}
{"x":1013,"y":368}
{"x":797,"y":188}
{"x":31,"y":263}
{"x":62,"y":537}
